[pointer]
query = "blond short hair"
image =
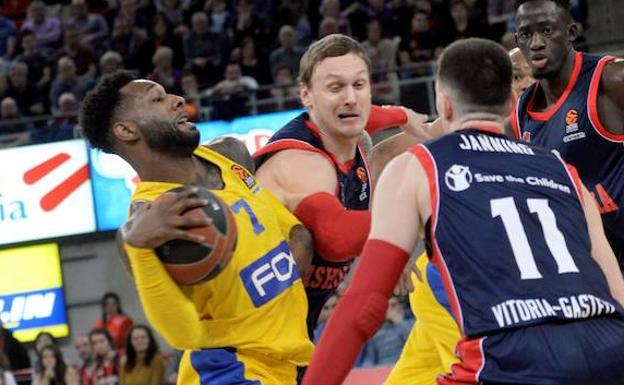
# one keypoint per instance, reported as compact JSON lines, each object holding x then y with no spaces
{"x":330,"y":46}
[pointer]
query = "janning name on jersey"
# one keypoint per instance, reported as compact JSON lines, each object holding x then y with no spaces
{"x":486,"y":143}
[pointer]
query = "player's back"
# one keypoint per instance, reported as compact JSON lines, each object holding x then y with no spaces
{"x":509,"y":236}
{"x":256,"y":305}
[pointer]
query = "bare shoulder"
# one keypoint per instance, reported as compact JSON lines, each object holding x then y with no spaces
{"x":612,"y":80}
{"x":233,"y":149}
{"x":300,"y":171}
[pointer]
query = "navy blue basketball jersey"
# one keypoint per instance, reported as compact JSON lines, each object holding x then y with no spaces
{"x":508,"y":234}
{"x":353,"y":189}
{"x":573,"y":128}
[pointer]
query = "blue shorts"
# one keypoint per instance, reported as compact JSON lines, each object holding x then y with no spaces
{"x":584,"y":352}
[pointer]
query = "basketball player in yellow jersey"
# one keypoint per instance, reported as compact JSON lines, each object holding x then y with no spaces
{"x":245,"y":326}
{"x":430,"y":348}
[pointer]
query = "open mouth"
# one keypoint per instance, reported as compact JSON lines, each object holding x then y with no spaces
{"x":539,"y":62}
{"x":184,"y":121}
{"x":347,"y":115}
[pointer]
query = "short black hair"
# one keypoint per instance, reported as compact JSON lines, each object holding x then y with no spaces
{"x":563,"y":4}
{"x":99,"y":108}
{"x":479,"y":73}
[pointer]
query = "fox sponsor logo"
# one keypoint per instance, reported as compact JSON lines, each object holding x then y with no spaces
{"x":270,"y":275}
{"x":325,"y":277}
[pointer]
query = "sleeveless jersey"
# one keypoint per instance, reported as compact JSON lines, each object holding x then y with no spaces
{"x":353,"y":190}
{"x":573,"y":128}
{"x":257,"y":303}
{"x":508,"y":234}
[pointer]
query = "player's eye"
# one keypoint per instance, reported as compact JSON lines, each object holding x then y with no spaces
{"x":547,"y":30}
{"x":158,"y":99}
{"x":523,"y":36}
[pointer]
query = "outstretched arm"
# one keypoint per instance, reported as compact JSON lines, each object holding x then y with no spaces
{"x":395,"y":226}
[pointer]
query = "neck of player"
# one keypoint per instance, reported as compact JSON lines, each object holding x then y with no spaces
{"x":341,"y":147}
{"x":474,"y":120}
{"x":554,"y":86}
{"x":168,"y":169}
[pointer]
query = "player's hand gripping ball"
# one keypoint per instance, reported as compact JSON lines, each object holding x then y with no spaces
{"x":191,"y":262}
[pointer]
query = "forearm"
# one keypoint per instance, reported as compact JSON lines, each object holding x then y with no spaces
{"x":302,"y":247}
{"x":338,"y":234}
{"x":166,"y":307}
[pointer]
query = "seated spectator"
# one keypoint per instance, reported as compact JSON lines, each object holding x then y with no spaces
{"x":26,"y":95}
{"x":113,"y":319}
{"x":7,"y":37}
{"x":173,"y":366}
{"x":55,"y":370}
{"x":110,"y":62}
{"x":83,"y":350}
{"x":47,"y":29}
{"x":139,"y":15}
{"x":249,"y":22}
{"x":461,"y":26}
{"x":327,"y":26}
{"x":383,"y":12}
{"x":14,"y":350}
{"x":190,"y":92}
{"x":385,"y":88}
{"x":418,"y":45}
{"x":62,"y":126}
{"x":386,"y":346}
{"x":161,"y":34}
{"x":67,"y":80}
{"x":285,"y":91}
{"x":92,"y":28}
{"x":221,"y":19}
{"x":329,"y":305}
{"x":251,"y":64}
{"x":288,"y":53}
{"x":39,"y":69}
{"x":163,"y":72}
{"x":231,"y":95}
{"x":203,"y":50}
{"x":6,"y":377}
{"x":386,"y":48}
{"x":500,"y":17}
{"x":331,"y":8}
{"x":172,"y":10}
{"x":11,"y":117}
{"x":132,"y":44}
{"x":83,"y":56}
{"x":105,"y":367}
{"x":42,"y":340}
{"x":143,"y":364}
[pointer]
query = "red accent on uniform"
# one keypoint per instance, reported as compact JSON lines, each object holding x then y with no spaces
{"x":339,"y":234}
{"x":426,"y":160}
{"x":513,"y":120}
{"x":64,"y":189}
{"x":290,"y":144}
{"x":607,"y":204}
{"x":592,"y":102}
{"x":359,"y":313}
{"x":468,"y":369}
{"x":576,"y":180}
{"x":382,"y":118}
{"x":546,"y":115}
{"x":39,"y":171}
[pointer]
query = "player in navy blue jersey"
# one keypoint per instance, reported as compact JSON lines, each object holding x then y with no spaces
{"x":576,"y":107}
{"x":529,"y":276}
{"x":316,"y":167}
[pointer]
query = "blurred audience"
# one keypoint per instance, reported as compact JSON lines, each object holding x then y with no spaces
{"x":6,"y":376}
{"x":55,"y":370}
{"x":83,"y":351}
{"x":163,"y":72}
{"x":288,"y":53}
{"x":231,"y":95}
{"x":142,"y":364}
{"x":104,"y":369}
{"x":26,"y":94}
{"x":114,"y":320}
{"x":47,"y":29}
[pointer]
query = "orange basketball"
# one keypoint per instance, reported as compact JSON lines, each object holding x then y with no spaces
{"x":191,"y":262}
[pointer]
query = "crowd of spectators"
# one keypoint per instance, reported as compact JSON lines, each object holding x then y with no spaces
{"x":219,"y":54}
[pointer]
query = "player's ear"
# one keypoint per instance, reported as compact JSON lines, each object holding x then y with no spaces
{"x":125,"y":131}
{"x":573,"y":31}
{"x":446,"y":109}
{"x":304,"y":94}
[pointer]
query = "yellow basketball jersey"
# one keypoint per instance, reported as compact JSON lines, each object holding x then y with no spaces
{"x":257,"y":303}
{"x":430,"y":347}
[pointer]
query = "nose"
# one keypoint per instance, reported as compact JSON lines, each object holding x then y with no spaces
{"x":537,"y":42}
{"x":350,"y":97}
{"x":178,"y":101}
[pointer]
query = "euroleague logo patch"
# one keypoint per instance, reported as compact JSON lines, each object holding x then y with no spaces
{"x":571,"y":121}
{"x":458,"y":178}
{"x":361,"y":174}
{"x":244,"y":175}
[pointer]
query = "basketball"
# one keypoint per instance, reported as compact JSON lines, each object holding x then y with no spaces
{"x":190,"y":262}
